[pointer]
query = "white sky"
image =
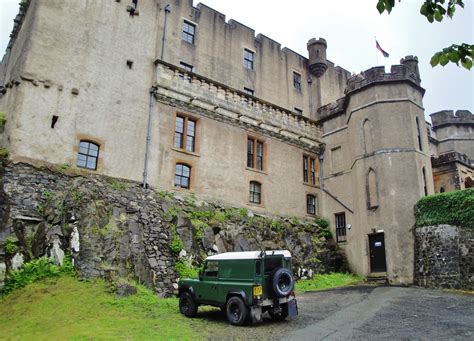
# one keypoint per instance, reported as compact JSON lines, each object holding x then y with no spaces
{"x":349,"y":26}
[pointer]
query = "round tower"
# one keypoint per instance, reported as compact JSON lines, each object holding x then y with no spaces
{"x":317,"y":56}
{"x":411,"y":62}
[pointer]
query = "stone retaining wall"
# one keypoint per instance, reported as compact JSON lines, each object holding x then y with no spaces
{"x":115,"y":228}
{"x":444,"y":258}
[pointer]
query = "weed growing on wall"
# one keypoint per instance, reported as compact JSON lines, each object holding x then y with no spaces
{"x":10,"y":246}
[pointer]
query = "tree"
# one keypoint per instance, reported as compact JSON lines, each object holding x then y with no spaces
{"x":438,"y":10}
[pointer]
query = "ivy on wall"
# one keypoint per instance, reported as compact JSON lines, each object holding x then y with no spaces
{"x":452,"y":208}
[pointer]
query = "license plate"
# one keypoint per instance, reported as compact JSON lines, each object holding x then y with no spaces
{"x":257,"y":291}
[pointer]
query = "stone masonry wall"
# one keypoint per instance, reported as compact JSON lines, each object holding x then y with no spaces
{"x":114,"y":228}
{"x":444,"y":258}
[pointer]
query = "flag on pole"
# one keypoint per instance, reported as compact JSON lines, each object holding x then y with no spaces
{"x":385,"y":53}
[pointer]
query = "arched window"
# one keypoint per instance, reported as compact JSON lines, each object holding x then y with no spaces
{"x":418,"y":133}
{"x":311,"y":204}
{"x":182,"y":175}
{"x":255,"y":192}
{"x":372,"y":192}
{"x":425,"y":188}
{"x":442,"y":190}
{"x":468,"y":183}
{"x":367,"y":134}
{"x":88,"y":155}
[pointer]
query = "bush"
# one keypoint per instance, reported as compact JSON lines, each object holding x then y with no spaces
{"x":10,"y":246}
{"x":452,"y":208}
{"x":35,"y":270}
{"x":185,"y":271}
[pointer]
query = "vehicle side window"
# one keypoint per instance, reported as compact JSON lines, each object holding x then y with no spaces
{"x":212,"y":268}
{"x":258,"y":267}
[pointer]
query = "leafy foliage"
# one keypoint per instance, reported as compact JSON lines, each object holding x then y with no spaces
{"x":10,"y":246}
{"x":185,"y":271}
{"x":176,"y":242}
{"x":35,"y":270}
{"x":3,"y":120}
{"x":437,"y":10}
{"x":453,"y":208}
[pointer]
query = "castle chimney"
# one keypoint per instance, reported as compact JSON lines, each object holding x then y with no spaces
{"x":317,"y":56}
{"x":411,"y":62}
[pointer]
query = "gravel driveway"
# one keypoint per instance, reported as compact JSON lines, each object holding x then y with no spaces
{"x":361,"y":313}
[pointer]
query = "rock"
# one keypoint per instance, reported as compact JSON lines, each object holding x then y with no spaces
{"x":3,"y":269}
{"x":74,"y":241}
{"x":182,"y":254}
{"x":17,"y":261}
{"x":208,"y":238}
{"x":124,"y":289}
{"x":241,"y":244}
{"x":56,"y":253}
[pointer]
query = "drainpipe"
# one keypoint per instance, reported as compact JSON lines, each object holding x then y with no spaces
{"x":152,"y":102}
{"x":322,"y":148}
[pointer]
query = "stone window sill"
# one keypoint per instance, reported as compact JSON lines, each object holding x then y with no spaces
{"x":256,"y":170}
{"x":184,"y":151}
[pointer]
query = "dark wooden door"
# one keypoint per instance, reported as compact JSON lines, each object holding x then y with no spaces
{"x":377,"y":253}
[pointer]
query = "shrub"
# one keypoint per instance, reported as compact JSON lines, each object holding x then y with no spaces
{"x":453,"y":208}
{"x":35,"y":270}
{"x":10,"y":246}
{"x":176,"y":242}
{"x":3,"y":120}
{"x":185,"y":271}
{"x":322,"y":222}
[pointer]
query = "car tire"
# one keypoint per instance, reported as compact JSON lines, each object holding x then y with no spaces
{"x":283,"y":314}
{"x":283,"y":282}
{"x":236,"y":311}
{"x":187,"y":304}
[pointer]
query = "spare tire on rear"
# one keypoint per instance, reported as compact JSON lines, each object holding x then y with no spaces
{"x":283,"y":282}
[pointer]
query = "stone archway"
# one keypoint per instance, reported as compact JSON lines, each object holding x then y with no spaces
{"x":468,"y":183}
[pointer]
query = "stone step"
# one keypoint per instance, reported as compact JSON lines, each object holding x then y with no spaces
{"x":379,"y":278}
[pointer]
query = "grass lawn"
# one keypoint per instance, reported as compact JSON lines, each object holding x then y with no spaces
{"x":67,"y":309}
{"x":327,"y":281}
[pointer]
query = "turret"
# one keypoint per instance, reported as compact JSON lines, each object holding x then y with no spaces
{"x":411,"y":62}
{"x":317,"y":56}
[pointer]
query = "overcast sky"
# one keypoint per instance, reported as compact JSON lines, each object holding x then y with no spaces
{"x":349,"y":26}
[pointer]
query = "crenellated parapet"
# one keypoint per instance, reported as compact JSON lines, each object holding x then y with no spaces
{"x":179,"y":87}
{"x":446,"y":117}
{"x":450,"y":157}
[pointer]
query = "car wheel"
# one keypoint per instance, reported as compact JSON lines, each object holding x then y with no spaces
{"x":187,"y":304}
{"x":283,"y":314}
{"x":236,"y":311}
{"x":283,"y":282}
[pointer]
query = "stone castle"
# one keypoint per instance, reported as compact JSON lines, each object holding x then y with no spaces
{"x":175,"y":97}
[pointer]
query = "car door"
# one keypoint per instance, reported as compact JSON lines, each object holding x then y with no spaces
{"x":208,"y":283}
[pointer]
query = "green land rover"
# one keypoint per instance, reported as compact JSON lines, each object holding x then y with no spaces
{"x":244,"y":285}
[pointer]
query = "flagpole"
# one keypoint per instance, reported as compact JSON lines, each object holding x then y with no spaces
{"x":376,"y":54}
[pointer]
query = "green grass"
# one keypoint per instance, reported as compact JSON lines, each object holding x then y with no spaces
{"x":65,"y":308}
{"x":327,"y":281}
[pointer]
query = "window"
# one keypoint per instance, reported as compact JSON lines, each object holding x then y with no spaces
{"x":299,"y":111}
{"x":372,"y":193}
{"x":418,"y":133}
{"x":255,"y":192}
{"x":254,"y":153}
{"x":368,"y":138}
{"x":249,"y":91}
{"x":249,"y":58}
{"x":340,"y":227}
{"x":88,"y":155}
{"x":182,"y":175}
{"x":425,"y":187}
{"x":187,"y":67}
{"x":297,"y":81}
{"x":309,"y":170}
{"x":189,"y":30}
{"x":311,"y":204}
{"x":185,"y":133}
{"x":212,"y":269}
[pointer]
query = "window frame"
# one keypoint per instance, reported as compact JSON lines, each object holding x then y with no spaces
{"x":188,"y":37}
{"x":88,"y":155}
{"x":254,"y":194}
{"x":255,"y":154}
{"x":310,"y":205}
{"x":309,"y":170}
{"x":297,"y":81}
{"x":185,"y":136}
{"x":181,"y":176}
{"x":249,"y":91}
{"x":341,"y":230}
{"x":249,"y":59}
{"x":298,"y":111}
{"x":187,"y":67}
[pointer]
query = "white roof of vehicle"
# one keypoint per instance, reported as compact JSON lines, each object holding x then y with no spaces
{"x":248,"y":255}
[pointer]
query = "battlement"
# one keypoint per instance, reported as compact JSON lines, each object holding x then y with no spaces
{"x":450,"y":157}
{"x":377,"y":74}
{"x":445,"y":117}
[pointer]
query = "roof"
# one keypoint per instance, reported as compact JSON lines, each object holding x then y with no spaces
{"x":248,"y":255}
